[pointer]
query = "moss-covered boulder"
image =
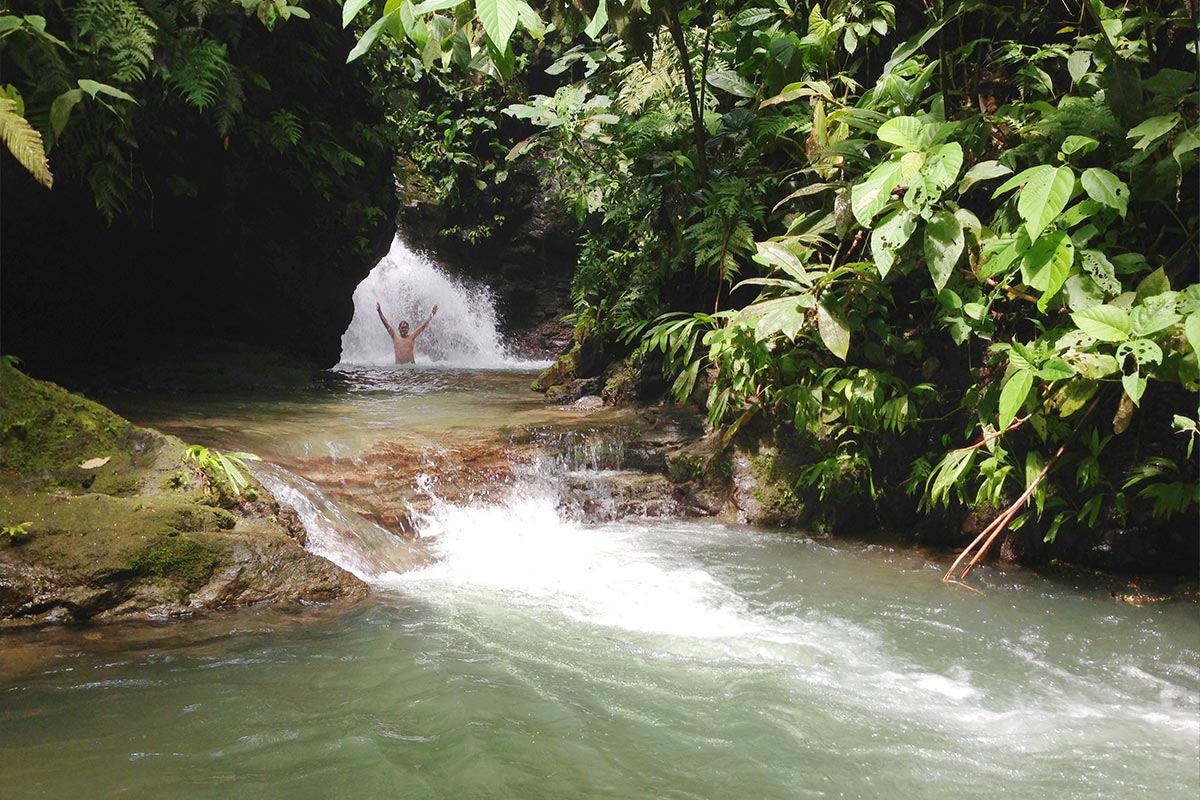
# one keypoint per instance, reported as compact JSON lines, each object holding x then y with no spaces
{"x":105,"y":520}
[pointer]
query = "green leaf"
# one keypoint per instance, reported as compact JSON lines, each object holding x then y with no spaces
{"x":1135,"y":386}
{"x":598,"y":21}
{"x":834,"y":330}
{"x":1143,"y":351}
{"x":60,"y":110}
{"x":351,"y":9}
{"x":1105,"y":323}
{"x":1104,"y":187}
{"x":782,"y":315}
{"x":889,"y":236}
{"x":368,"y":38}
{"x":730,"y":81}
{"x":1013,"y":395}
{"x":774,"y":254}
{"x":946,"y":474}
{"x":429,"y":6}
{"x":1079,"y":144}
{"x":1047,"y":265}
{"x":942,"y":167}
{"x":1191,"y":329}
{"x":499,"y":18}
{"x":1101,"y":269}
{"x":94,"y":88}
{"x":24,"y":142}
{"x":902,"y":132}
{"x":1045,"y":195}
{"x":1055,"y":369}
{"x":1152,"y":130}
{"x":1000,"y":262}
{"x":1078,"y":64}
{"x":944,"y":243}
{"x":1152,"y":317}
{"x":1153,"y":285}
{"x":530,"y":20}
{"x":869,"y":197}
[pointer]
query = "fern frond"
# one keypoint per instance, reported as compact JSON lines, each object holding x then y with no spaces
{"x":200,"y":68}
{"x":229,"y":104}
{"x":118,"y":31}
{"x":24,"y":142}
{"x":202,"y":8}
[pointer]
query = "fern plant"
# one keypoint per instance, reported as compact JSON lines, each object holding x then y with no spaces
{"x":23,"y":141}
{"x":119,"y":32}
{"x":200,"y":68}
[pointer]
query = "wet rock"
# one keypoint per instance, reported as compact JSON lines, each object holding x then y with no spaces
{"x":572,"y":391}
{"x":588,"y":402}
{"x":763,"y":489}
{"x":610,"y":495}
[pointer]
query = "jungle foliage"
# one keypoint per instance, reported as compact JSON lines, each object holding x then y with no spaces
{"x":967,"y":227}
{"x":119,"y":95}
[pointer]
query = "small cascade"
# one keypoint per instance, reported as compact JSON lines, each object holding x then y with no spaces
{"x":339,"y":534}
{"x":407,"y":285}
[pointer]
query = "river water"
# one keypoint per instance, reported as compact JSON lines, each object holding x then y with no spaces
{"x":539,"y":656}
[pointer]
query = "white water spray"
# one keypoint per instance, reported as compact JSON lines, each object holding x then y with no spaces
{"x":408,"y":285}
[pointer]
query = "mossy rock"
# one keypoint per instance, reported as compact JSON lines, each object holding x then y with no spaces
{"x":46,"y":429}
{"x":560,"y":372}
{"x":135,"y":535}
{"x":177,"y":558}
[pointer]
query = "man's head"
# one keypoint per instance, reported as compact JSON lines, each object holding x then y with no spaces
{"x":404,"y":329}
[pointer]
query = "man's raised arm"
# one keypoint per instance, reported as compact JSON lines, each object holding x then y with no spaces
{"x":383,"y":319}
{"x":425,"y":324}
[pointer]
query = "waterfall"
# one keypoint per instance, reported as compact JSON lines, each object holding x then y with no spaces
{"x":408,"y":285}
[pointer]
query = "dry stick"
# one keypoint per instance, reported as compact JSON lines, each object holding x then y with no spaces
{"x":989,"y":534}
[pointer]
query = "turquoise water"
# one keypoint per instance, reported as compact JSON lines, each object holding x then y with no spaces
{"x":539,"y":657}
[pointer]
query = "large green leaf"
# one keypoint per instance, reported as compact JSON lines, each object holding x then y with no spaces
{"x":1104,"y":187}
{"x":368,"y":38}
{"x":869,"y":197}
{"x":1191,"y":329}
{"x":889,"y":236}
{"x":1153,"y":129}
{"x":902,"y":132}
{"x":1046,"y":193}
{"x":499,"y":18}
{"x":95,"y":88}
{"x":350,"y":9}
{"x":598,"y":21}
{"x":60,"y":110}
{"x":730,"y":81}
{"x":942,"y":167}
{"x":782,"y":315}
{"x":1047,"y":265}
{"x":1105,"y":323}
{"x":834,"y":330}
{"x":1013,"y":395}
{"x":944,"y":243}
{"x":24,"y":142}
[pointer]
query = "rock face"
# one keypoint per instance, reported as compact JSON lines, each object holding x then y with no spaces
{"x":106,"y":521}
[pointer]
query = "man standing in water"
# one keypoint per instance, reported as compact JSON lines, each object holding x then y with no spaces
{"x":402,"y":341}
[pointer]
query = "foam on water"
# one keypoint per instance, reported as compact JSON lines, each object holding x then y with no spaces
{"x":408,"y":285}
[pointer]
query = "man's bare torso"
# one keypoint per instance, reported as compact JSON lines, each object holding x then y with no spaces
{"x":403,"y":346}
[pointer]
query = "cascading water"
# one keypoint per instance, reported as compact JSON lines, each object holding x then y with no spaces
{"x":408,"y":285}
